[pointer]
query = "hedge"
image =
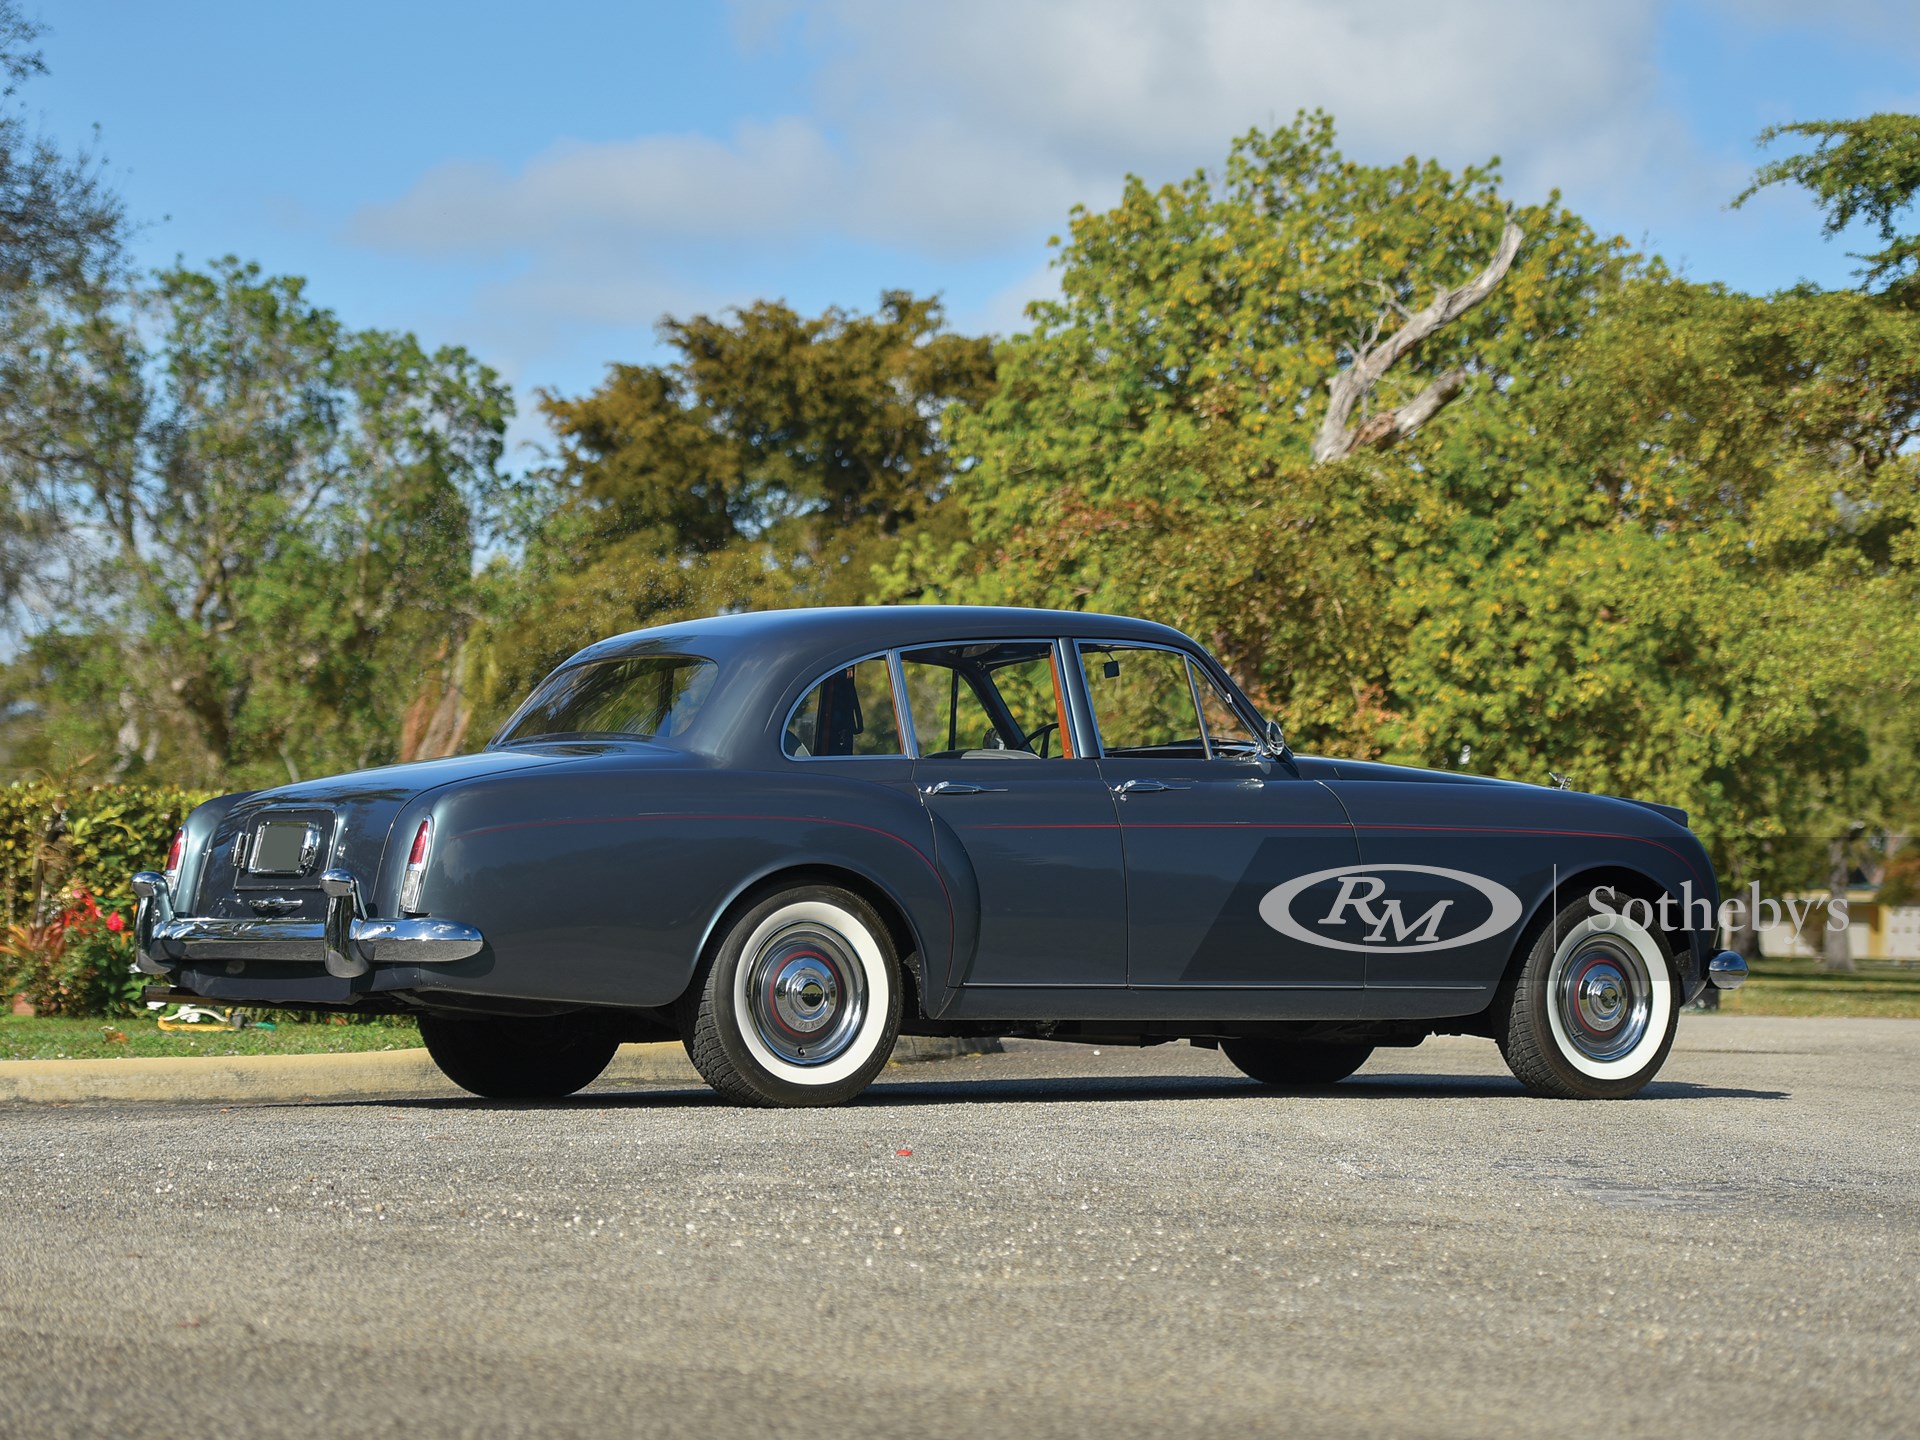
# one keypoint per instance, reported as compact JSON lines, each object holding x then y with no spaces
{"x":66,"y":854}
{"x":54,"y":837}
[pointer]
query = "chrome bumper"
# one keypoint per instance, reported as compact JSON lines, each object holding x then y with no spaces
{"x":347,"y":942}
{"x":1727,"y":970}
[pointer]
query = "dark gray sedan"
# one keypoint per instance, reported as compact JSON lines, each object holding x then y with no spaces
{"x":786,"y":838}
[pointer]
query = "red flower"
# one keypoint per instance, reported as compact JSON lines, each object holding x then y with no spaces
{"x":115,"y":923}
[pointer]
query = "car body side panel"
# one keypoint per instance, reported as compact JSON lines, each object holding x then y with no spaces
{"x":1041,"y":847}
{"x":1526,"y":839}
{"x":600,"y":885}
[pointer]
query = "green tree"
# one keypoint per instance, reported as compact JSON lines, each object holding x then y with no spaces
{"x":1858,"y":170}
{"x":1663,"y":541}
{"x":61,"y":233}
{"x":1152,"y":442}
{"x":269,"y":522}
{"x":772,"y":462}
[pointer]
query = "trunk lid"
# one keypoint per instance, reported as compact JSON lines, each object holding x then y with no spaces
{"x":268,"y":850}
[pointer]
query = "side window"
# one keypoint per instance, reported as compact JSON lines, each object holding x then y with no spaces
{"x":848,"y":713}
{"x":1142,"y":701}
{"x":1227,"y":733}
{"x":995,"y":700}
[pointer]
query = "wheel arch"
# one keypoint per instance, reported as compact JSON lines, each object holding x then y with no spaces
{"x":893,"y":913}
{"x":1628,"y":882}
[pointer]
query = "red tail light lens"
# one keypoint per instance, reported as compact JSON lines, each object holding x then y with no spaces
{"x":175,"y":853}
{"x":416,"y":868}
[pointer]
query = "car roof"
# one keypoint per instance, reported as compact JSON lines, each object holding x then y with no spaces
{"x":822,"y":634}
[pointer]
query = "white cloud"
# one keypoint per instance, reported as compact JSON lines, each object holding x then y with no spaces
{"x":769,"y":180}
{"x":963,"y":130}
{"x":950,"y":140}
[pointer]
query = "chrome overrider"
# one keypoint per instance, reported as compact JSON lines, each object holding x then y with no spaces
{"x":1727,"y":970}
{"x":348,"y":942}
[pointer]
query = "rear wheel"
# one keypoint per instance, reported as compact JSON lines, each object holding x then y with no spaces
{"x":520,"y":1057}
{"x":1593,"y":1010}
{"x":1295,"y":1064}
{"x":799,"y":1005}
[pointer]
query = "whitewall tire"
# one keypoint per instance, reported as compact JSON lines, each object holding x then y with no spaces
{"x":800,"y":1002}
{"x":1593,"y":1011}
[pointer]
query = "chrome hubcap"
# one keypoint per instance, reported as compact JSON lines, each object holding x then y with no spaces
{"x":806,"y":994}
{"x":1604,"y":996}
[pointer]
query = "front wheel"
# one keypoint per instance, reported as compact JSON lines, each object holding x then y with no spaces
{"x":520,"y":1058}
{"x":1594,"y":1008}
{"x":800,"y":1004}
{"x":1295,"y":1064}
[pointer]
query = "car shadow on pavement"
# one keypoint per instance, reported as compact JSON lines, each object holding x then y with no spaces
{"x":1081,"y":1089}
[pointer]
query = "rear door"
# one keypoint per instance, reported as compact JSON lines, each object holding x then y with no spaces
{"x":1004,"y":775}
{"x":1212,"y":827}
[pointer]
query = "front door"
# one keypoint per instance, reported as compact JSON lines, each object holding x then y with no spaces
{"x":1016,"y":805}
{"x":1212,"y":828}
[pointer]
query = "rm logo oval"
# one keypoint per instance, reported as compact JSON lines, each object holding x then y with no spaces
{"x":1360,"y":901}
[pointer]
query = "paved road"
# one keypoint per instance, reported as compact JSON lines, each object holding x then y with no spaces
{"x":1115,"y":1243}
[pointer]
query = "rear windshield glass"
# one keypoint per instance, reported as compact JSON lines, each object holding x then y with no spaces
{"x":649,"y":696}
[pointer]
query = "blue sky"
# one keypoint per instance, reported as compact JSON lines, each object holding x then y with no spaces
{"x":542,"y":183}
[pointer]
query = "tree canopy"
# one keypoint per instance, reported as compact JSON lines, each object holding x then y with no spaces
{"x":1662,"y":542}
{"x":772,"y":462}
{"x":265,"y":538}
{"x":1859,"y":170}
{"x":1442,"y":474}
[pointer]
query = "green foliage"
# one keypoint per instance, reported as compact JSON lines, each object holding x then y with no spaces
{"x":1148,"y":446}
{"x":1209,"y":316}
{"x":66,"y":912}
{"x":771,"y":463}
{"x":270,"y":541}
{"x":1867,"y":170}
{"x":80,"y":962}
{"x":1666,"y":542}
{"x":61,"y":235}
{"x":57,"y":836}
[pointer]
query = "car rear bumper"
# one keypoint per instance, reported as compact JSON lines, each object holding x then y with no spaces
{"x":347,"y":942}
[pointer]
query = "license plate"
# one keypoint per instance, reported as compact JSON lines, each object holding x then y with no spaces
{"x":284,"y":847}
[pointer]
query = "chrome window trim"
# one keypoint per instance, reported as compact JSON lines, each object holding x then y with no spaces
{"x":1198,"y":673}
{"x":899,"y":694}
{"x":1057,"y":647}
{"x":1199,"y":714}
{"x":507,"y":727}
{"x":909,"y":733}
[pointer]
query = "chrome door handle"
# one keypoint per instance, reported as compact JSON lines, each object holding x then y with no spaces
{"x":960,"y":787}
{"x":1146,"y":787}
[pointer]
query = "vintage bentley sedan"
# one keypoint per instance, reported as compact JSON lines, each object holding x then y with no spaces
{"x":786,"y":838}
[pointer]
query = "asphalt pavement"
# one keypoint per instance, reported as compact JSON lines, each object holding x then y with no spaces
{"x":1051,"y":1241}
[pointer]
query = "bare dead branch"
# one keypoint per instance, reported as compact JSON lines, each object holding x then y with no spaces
{"x":1347,"y":391}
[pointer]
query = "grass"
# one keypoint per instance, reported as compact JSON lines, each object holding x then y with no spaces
{"x":1801,"y":987}
{"x":1776,"y":987}
{"x":37,"y":1038}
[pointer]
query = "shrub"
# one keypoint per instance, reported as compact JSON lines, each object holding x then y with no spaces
{"x":80,"y":962}
{"x":56,"y":836}
{"x":66,"y":854}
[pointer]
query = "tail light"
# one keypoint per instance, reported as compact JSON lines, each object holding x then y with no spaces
{"x":175,"y":853}
{"x":416,"y":868}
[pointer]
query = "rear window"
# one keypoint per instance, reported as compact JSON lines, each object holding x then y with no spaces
{"x":652,"y":697}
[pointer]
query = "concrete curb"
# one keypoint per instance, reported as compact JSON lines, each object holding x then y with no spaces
{"x":290,"y":1079}
{"x":270,"y":1079}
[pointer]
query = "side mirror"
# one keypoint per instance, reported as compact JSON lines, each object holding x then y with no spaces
{"x":1276,"y":738}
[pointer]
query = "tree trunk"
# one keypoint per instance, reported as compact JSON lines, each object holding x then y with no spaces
{"x":1836,"y":949}
{"x":435,"y":724}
